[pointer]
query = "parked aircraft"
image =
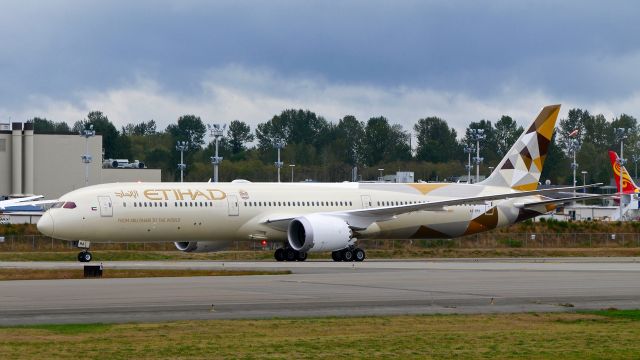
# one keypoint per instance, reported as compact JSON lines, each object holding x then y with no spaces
{"x":23,"y":201}
{"x":309,"y":217}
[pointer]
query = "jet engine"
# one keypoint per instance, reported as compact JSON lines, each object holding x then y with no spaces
{"x":201,"y":246}
{"x":313,"y":233}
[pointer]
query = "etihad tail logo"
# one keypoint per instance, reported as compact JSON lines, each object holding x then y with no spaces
{"x":628,"y":186}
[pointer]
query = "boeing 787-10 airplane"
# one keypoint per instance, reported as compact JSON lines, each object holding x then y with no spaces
{"x":308,"y":217}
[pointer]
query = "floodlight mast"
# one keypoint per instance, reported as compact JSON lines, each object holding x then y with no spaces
{"x":86,"y":158}
{"x":468,"y":150}
{"x":621,"y":134}
{"x":477,"y":135}
{"x":217,"y":132}
{"x":279,"y":144}
{"x":573,"y":147}
{"x":635,"y":158}
{"x":182,"y":146}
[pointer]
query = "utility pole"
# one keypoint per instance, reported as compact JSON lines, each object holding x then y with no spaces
{"x":279,"y":144}
{"x":621,"y":134}
{"x":182,"y":146}
{"x":86,"y":158}
{"x":477,"y":135}
{"x":217,"y":132}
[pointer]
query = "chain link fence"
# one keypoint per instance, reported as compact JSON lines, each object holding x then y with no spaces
{"x":478,"y":241}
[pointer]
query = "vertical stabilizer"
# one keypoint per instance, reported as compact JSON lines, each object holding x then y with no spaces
{"x":628,"y":186}
{"x":520,"y":169}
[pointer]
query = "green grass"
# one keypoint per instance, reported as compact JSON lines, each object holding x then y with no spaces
{"x":615,"y":313}
{"x":50,"y":274}
{"x":68,"y":329}
{"x":608,"y":334}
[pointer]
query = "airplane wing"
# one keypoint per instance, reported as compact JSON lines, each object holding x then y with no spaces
{"x":360,"y":219}
{"x":528,"y":205}
{"x":19,"y":201}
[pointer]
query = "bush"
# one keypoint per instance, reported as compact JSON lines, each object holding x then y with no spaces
{"x":512,"y":243}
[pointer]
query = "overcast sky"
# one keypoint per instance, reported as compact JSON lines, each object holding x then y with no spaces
{"x":248,"y":60}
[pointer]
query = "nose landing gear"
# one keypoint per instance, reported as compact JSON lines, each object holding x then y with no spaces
{"x":85,"y":256}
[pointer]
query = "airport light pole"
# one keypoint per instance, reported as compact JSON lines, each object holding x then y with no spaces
{"x":621,"y":134}
{"x":468,"y":150}
{"x":477,"y":135}
{"x":584,"y":180}
{"x":86,"y":158}
{"x":635,"y":159}
{"x":279,"y":144}
{"x":217,"y":132}
{"x":182,"y":146}
{"x":573,"y":147}
{"x":292,"y":166}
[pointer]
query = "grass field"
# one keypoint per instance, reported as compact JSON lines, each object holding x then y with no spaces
{"x":608,"y":334}
{"x":42,"y":274}
{"x":417,"y":253}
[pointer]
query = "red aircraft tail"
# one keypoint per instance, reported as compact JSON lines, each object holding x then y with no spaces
{"x":628,"y":186}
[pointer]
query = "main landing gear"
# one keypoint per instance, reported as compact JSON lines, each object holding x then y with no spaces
{"x":349,"y":254}
{"x":288,"y":254}
{"x":85,"y":256}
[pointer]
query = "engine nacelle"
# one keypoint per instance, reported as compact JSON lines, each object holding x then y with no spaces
{"x":201,"y":246}
{"x":313,"y":233}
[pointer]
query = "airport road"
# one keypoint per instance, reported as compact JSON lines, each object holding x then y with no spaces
{"x":325,"y":288}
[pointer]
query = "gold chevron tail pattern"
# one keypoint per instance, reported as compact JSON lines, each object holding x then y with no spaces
{"x":520,"y":169}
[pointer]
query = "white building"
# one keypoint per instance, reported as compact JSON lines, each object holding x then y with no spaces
{"x":51,"y":165}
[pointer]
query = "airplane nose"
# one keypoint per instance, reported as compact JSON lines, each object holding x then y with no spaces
{"x":45,"y":224}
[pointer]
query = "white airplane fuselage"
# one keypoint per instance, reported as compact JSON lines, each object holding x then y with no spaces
{"x":179,"y":212}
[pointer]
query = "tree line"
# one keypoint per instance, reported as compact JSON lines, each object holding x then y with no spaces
{"x":327,"y":151}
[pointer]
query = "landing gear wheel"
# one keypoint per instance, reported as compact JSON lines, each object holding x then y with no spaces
{"x":85,"y":256}
{"x":359,"y":254}
{"x":336,"y":256}
{"x":290,"y":254}
{"x":302,"y":256}
{"x":347,"y":255}
{"x":279,"y":254}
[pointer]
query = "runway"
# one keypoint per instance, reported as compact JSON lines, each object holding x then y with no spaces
{"x":325,"y":288}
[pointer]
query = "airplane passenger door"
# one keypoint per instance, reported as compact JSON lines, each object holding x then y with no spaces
{"x":234,"y":209}
{"x":106,"y":208}
{"x":366,"y":201}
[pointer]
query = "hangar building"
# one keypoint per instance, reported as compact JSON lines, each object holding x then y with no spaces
{"x":51,"y":164}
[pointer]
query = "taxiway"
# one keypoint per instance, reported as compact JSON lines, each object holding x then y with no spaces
{"x":322,"y":288}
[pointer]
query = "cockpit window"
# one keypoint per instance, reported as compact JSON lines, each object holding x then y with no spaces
{"x":69,"y":205}
{"x":57,"y":205}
